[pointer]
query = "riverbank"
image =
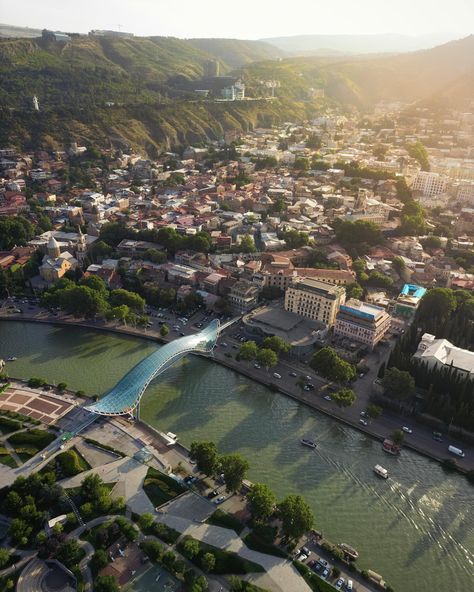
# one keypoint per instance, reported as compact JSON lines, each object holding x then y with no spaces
{"x":420,"y":442}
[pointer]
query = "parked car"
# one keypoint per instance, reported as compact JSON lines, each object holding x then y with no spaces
{"x":214,"y":493}
{"x":363,"y":421}
{"x":276,"y":375}
{"x":327,"y":397}
{"x":257,"y":366}
{"x":325,"y":574}
{"x":339,"y":584}
{"x":219,"y":500}
{"x":438,"y":436}
{"x":363,"y":413}
{"x":407,"y":430}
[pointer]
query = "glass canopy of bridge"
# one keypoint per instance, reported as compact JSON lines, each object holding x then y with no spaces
{"x":125,"y":396}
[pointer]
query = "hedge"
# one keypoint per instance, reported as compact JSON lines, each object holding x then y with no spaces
{"x":221,"y":518}
{"x":8,"y":425}
{"x":161,"y":488}
{"x":226,"y":562}
{"x":254,"y":542}
{"x":71,"y":463}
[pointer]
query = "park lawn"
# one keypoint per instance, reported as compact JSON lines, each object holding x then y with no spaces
{"x":67,"y":464}
{"x":29,"y":443}
{"x":221,"y":518}
{"x":8,"y":425}
{"x":6,"y":458}
{"x":161,"y":488}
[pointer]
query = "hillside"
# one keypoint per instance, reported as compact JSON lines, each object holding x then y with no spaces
{"x":444,"y":71}
{"x":235,"y":52}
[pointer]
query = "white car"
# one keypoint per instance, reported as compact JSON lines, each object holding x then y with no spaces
{"x":407,"y":430}
{"x":257,"y":366}
{"x":302,"y":557}
{"x":276,"y":375}
{"x":327,"y":397}
{"x":219,"y":500}
{"x":339,"y":584}
{"x":363,"y":422}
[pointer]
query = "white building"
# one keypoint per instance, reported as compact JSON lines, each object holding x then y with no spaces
{"x":429,"y":184}
{"x":442,"y":353}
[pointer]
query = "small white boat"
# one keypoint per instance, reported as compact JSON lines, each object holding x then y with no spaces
{"x":12,"y":359}
{"x":381,"y":472}
{"x":307,"y":442}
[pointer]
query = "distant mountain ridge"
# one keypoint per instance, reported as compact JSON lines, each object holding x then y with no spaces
{"x":356,"y":44}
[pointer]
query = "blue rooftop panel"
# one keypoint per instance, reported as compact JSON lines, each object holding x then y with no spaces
{"x":124,"y":397}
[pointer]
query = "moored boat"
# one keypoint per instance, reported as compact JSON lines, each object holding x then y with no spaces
{"x":390,"y":447}
{"x":381,"y":472}
{"x":307,"y":442}
{"x":12,"y":359}
{"x":349,"y":551}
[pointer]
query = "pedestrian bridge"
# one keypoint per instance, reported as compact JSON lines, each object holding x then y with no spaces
{"x":125,"y":396}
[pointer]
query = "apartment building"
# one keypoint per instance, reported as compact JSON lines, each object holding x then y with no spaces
{"x":243,"y":296}
{"x":362,"y":322}
{"x":315,"y":300}
{"x":429,"y":184}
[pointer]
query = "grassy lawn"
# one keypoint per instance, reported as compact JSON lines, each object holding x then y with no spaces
{"x":226,"y":562}
{"x":67,"y":464}
{"x":29,"y":443}
{"x":221,"y":518}
{"x":6,"y":458}
{"x":160,"y":488}
{"x":8,"y":425}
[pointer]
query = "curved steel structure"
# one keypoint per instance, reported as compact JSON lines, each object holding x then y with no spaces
{"x":125,"y":396}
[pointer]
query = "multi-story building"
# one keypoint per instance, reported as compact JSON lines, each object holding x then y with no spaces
{"x":315,"y":300}
{"x":282,"y":276}
{"x":409,"y":300}
{"x":362,"y":322}
{"x":243,"y":296}
{"x":429,"y":184}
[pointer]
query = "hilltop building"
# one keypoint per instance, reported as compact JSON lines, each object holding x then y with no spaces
{"x":429,"y":184}
{"x":408,"y":301}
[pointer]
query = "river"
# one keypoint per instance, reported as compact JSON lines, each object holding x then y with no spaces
{"x":416,"y":528}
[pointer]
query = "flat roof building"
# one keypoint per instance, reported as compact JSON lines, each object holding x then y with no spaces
{"x":315,"y":300}
{"x":409,"y":300}
{"x":362,"y":322}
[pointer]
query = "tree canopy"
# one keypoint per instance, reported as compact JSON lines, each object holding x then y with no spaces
{"x":344,"y":397}
{"x":206,"y":456}
{"x":398,"y":383}
{"x":296,"y":516}
{"x":261,"y":500}
{"x":234,"y":468}
{"x":327,"y":363}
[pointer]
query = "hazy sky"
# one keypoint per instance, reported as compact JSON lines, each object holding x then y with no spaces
{"x":244,"y":19}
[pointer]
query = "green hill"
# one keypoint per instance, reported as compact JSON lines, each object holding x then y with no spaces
{"x":235,"y":52}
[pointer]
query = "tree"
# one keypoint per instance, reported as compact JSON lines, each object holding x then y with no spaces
{"x":208,"y":562}
{"x":398,"y":437}
{"x":114,"y":232}
{"x":155,"y":256}
{"x":418,"y":151}
{"x":436,"y":307}
{"x":296,"y":516}
{"x":248,"y":350}
{"x":200,"y":584}
{"x":354,"y":290}
{"x":106,"y":584}
{"x":14,"y":230}
{"x":92,"y":487}
{"x":4,"y":557}
{"x":295,"y":239}
{"x":95,"y":283}
{"x":247,"y":244}
{"x":164,"y":330}
{"x":398,"y":383}
{"x":190,"y":548}
{"x":327,"y":363}
{"x":98,"y":561}
{"x":275,"y":343}
{"x":19,"y":531}
{"x":130,"y":299}
{"x":168,"y":558}
{"x":70,"y":553}
{"x":344,"y":397}
{"x":62,"y":386}
{"x":431,"y":242}
{"x":267,"y":358}
{"x":206,"y":456}
{"x":153,"y":549}
{"x":234,"y":468}
{"x":374,"y":411}
{"x":398,"y":265}
{"x":262,"y":501}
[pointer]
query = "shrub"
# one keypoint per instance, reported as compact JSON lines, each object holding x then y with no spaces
{"x":70,"y":463}
{"x":36,"y":382}
{"x":221,"y":518}
{"x":152,"y":549}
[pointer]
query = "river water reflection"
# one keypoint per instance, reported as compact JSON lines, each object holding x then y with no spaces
{"x":416,"y":528}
